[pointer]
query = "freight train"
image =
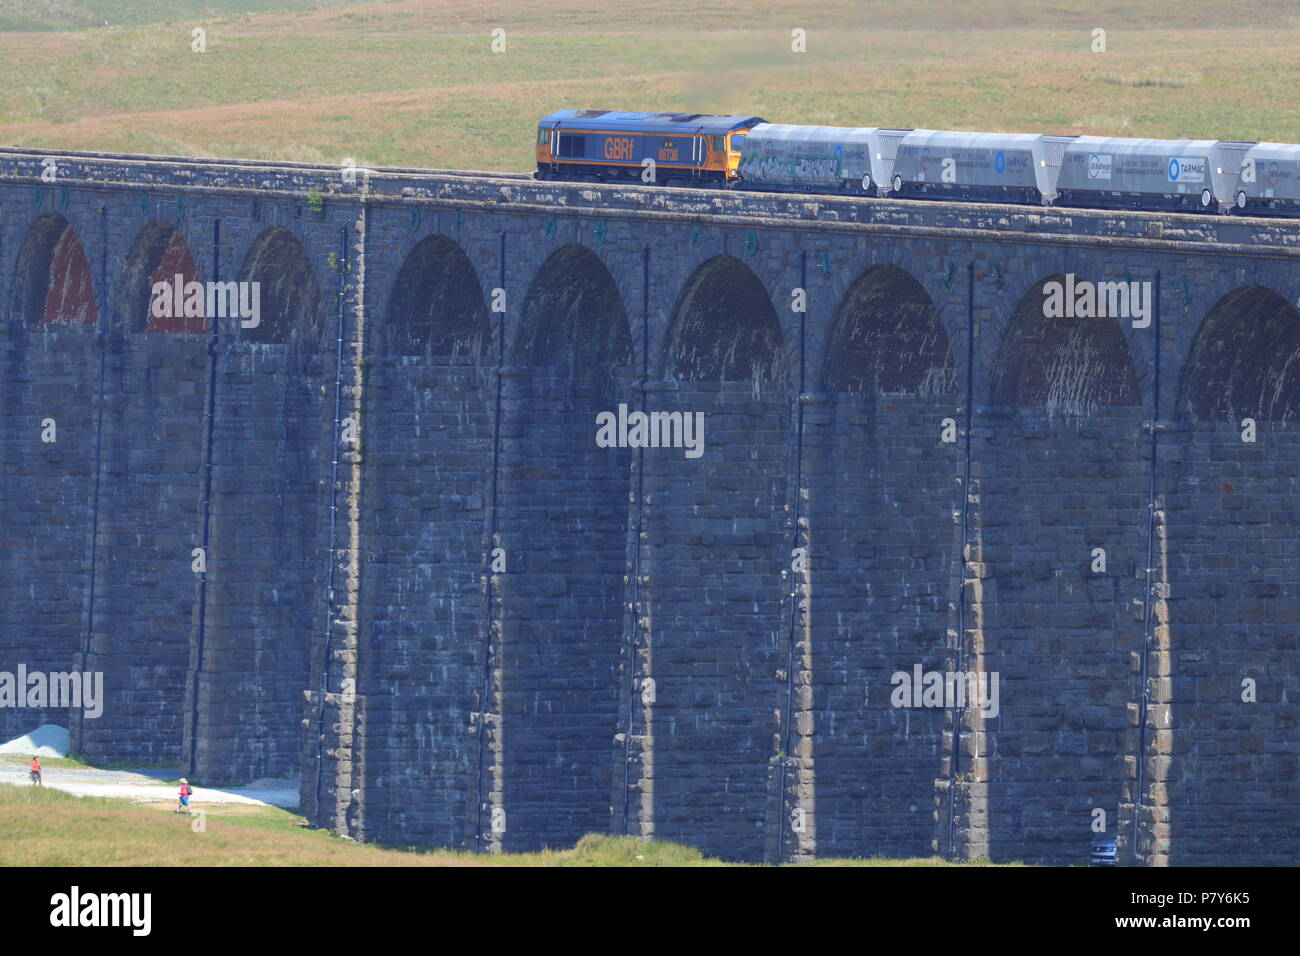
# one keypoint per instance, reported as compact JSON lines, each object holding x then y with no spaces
{"x":747,"y":152}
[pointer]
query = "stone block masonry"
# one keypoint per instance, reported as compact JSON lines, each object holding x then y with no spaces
{"x":373,"y":542}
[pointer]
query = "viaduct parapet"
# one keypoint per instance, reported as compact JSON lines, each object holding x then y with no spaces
{"x":374,"y":541}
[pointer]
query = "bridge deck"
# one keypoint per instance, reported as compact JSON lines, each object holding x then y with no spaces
{"x":471,"y":189}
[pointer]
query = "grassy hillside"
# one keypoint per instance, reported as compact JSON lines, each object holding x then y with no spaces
{"x":45,"y":827}
{"x":415,"y":81}
{"x":30,"y":15}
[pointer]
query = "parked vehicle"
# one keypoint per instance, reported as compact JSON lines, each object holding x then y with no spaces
{"x":1103,"y":852}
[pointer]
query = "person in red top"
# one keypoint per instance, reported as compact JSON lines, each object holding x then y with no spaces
{"x":184,"y":805}
{"x":36,"y":770}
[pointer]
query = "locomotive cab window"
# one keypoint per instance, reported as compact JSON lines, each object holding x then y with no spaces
{"x":572,"y":145}
{"x":716,"y":143}
{"x":543,"y":137}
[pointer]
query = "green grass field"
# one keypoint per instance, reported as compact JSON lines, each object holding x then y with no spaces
{"x":415,"y":82}
{"x":30,"y":15}
{"x":46,"y":827}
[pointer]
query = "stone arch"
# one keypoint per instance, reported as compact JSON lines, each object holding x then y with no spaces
{"x":1068,"y":366}
{"x":888,"y":338}
{"x":271,"y":468}
{"x":427,"y":429}
{"x":1245,"y":360}
{"x":1233,"y":543}
{"x":574,"y":316}
{"x":159,"y":254}
{"x":47,"y":380}
{"x":721,"y":514}
{"x":1063,"y":492}
{"x":290,"y":296}
{"x":437,"y":306}
{"x":725,"y":328}
{"x":52,"y":282}
{"x":889,"y":381}
{"x":834,"y":270}
{"x":564,"y":519}
{"x":150,"y":437}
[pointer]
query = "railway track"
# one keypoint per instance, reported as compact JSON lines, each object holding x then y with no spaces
{"x":249,"y":165}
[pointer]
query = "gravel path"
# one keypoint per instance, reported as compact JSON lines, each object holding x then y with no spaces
{"x":147,"y":786}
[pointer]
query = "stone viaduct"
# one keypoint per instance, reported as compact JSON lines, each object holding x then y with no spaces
{"x":374,"y":542}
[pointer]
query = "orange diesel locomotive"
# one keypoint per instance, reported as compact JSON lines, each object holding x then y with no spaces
{"x":670,"y":149}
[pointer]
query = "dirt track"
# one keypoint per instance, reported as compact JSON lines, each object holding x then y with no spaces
{"x":151,"y":786}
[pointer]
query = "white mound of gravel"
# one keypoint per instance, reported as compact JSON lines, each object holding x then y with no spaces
{"x":274,"y":783}
{"x":47,"y":740}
